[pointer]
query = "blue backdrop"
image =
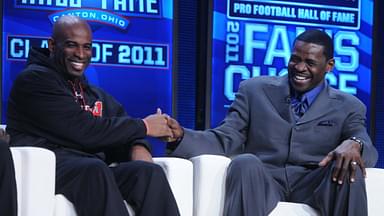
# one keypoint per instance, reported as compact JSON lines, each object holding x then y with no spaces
{"x":252,"y":38}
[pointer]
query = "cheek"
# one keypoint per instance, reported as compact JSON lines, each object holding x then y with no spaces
{"x":291,"y":66}
{"x":59,"y":56}
{"x":319,"y":75}
{"x":62,"y":55}
{"x":88,"y":54}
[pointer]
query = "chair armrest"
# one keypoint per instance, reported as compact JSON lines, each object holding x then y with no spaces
{"x":35,"y":180}
{"x":209,"y":184}
{"x":179,"y":173}
{"x":293,"y":209}
{"x":375,"y":190}
{"x":64,"y":207}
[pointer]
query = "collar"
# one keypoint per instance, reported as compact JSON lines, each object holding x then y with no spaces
{"x":312,"y":94}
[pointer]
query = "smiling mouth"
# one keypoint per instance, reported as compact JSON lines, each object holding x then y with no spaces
{"x":300,"y":77}
{"x":78,"y":65}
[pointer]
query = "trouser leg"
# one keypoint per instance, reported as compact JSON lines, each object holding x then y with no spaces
{"x":8,"y":194}
{"x":332,"y":199}
{"x":250,"y":189}
{"x":89,"y":184}
{"x":145,"y":187}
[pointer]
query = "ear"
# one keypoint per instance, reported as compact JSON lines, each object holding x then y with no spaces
{"x":330,"y":64}
{"x":51,"y":44}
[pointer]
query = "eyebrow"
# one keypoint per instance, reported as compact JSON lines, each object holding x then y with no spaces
{"x":74,"y":42}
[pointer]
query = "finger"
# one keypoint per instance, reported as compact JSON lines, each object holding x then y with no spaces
{"x":158,"y":111}
{"x":172,"y":123}
{"x":168,"y":132}
{"x":168,"y":139}
{"x":353,"y":167}
{"x":338,"y":169}
{"x":362,"y":167}
{"x":326,"y":159}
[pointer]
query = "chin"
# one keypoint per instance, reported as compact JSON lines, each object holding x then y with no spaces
{"x":76,"y":73}
{"x":299,"y":88}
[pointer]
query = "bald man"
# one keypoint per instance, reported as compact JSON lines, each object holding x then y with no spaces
{"x":51,"y":105}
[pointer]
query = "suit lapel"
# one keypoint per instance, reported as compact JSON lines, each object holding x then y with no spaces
{"x":278,"y":94}
{"x":324,"y":103}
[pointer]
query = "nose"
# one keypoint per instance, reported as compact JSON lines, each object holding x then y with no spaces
{"x":80,"y":53}
{"x":301,"y":66}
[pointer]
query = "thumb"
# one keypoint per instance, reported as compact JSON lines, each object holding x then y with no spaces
{"x":158,"y":111}
{"x":326,"y":159}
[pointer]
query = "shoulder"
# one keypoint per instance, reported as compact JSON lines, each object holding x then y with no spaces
{"x":349,"y":100}
{"x":262,"y":81}
{"x":36,"y":73}
{"x":37,"y":81}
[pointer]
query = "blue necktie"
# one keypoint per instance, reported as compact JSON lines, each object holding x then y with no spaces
{"x":299,"y":106}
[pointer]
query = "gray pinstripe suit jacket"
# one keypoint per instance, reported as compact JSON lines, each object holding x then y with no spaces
{"x":260,"y":121}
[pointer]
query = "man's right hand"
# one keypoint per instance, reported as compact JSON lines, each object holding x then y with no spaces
{"x":177,"y":130}
{"x":157,"y":125}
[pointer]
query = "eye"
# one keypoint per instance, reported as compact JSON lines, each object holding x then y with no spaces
{"x":311,"y":63}
{"x":295,"y":59}
{"x":88,"y":47}
{"x":71,"y":45}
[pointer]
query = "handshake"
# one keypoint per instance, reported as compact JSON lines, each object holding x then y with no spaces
{"x":163,"y":126}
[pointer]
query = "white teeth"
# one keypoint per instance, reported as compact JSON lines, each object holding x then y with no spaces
{"x":298,"y":77}
{"x":77,"y":65}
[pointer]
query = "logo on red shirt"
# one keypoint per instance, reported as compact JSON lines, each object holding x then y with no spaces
{"x":96,"y":110}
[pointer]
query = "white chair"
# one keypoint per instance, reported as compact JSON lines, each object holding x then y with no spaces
{"x":208,"y":184}
{"x":375,"y":191}
{"x":64,"y":207}
{"x":35,"y":180}
{"x":209,"y":191}
{"x":179,"y":173}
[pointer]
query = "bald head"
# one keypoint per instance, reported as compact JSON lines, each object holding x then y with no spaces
{"x":65,"y":22}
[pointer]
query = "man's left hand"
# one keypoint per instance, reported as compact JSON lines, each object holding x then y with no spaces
{"x":141,"y":153}
{"x":347,"y":158}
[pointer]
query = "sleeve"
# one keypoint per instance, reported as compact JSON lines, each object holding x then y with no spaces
{"x":46,"y":104}
{"x":123,"y":153}
{"x":226,"y":139}
{"x":355,"y":125}
{"x":119,"y":111}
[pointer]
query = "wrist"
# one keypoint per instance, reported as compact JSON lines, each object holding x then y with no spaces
{"x":146,"y":126}
{"x":358,"y":141}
